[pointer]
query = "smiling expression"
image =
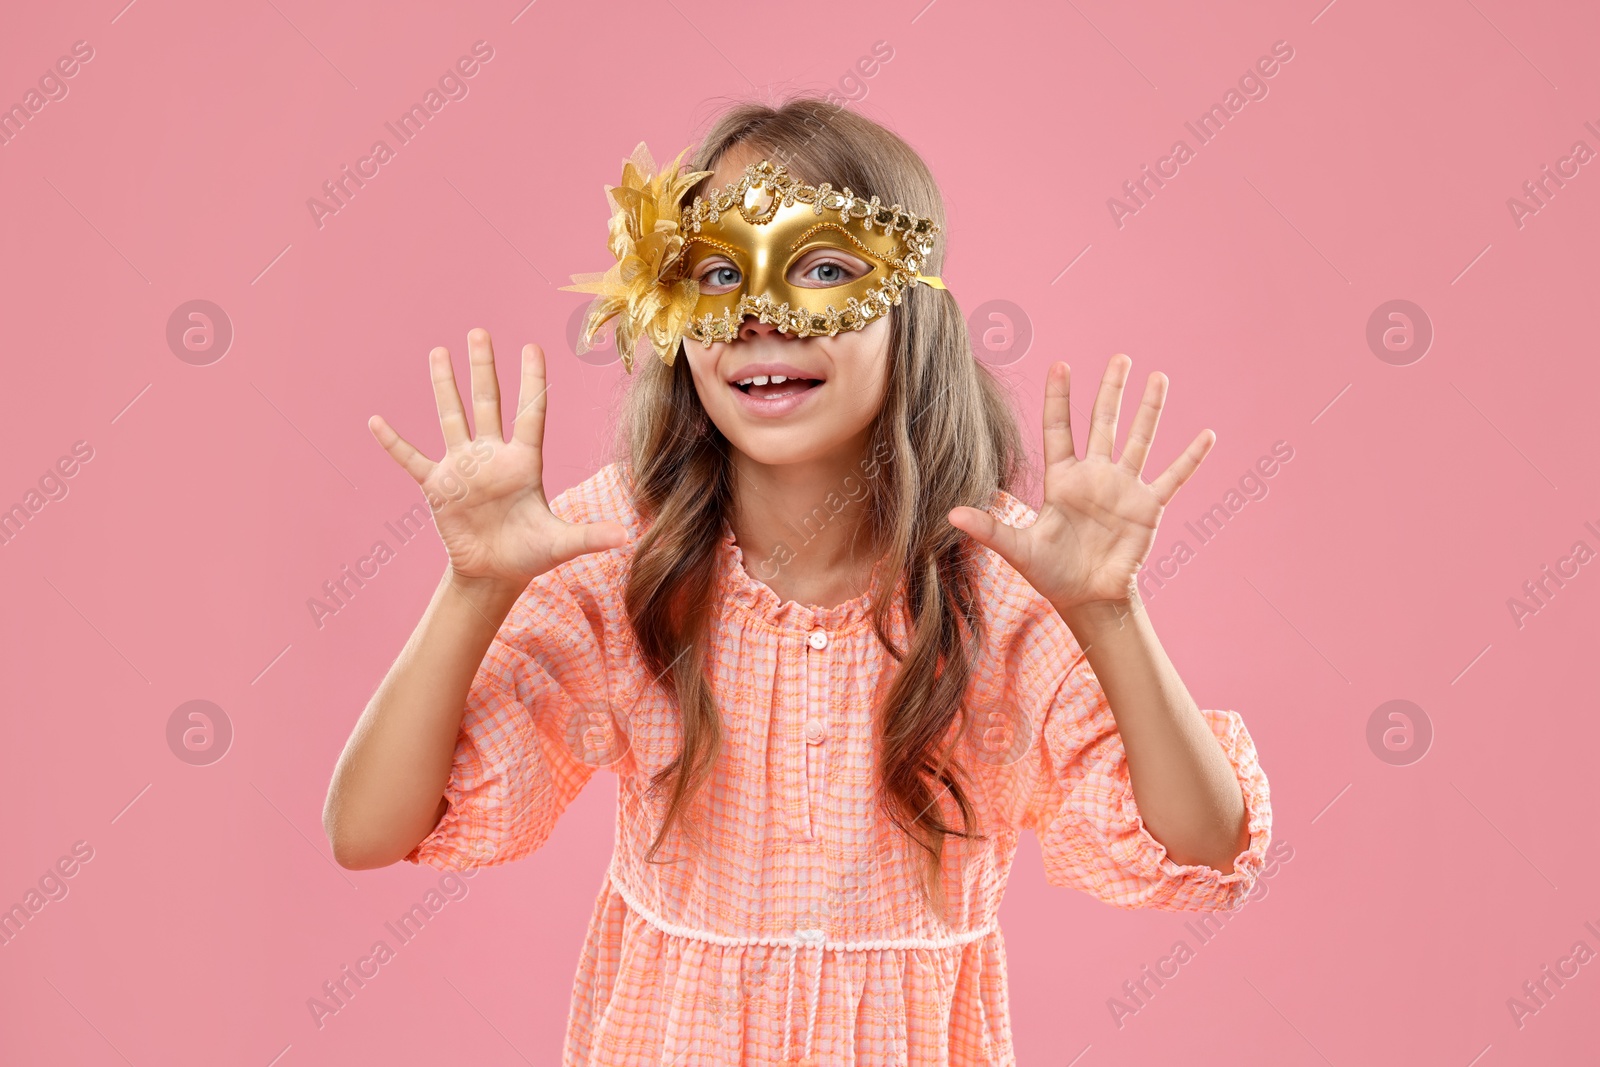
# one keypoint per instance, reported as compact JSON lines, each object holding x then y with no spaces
{"x":834,"y":385}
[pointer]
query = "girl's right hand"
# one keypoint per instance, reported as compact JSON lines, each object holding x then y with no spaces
{"x":487,"y":494}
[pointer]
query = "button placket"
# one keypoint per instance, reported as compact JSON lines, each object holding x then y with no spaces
{"x":814,"y":728}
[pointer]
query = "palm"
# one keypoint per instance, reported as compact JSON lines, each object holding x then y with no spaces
{"x":1099,"y":517}
{"x":486,"y":493}
{"x":499,"y":515}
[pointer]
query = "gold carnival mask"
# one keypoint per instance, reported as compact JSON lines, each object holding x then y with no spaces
{"x":670,"y":279}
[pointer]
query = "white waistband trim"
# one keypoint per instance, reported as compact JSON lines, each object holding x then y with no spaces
{"x":800,"y":938}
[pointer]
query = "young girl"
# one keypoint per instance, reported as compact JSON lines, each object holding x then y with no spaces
{"x":836,"y":666}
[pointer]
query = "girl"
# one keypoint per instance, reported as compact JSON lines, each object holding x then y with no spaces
{"x":836,"y":666}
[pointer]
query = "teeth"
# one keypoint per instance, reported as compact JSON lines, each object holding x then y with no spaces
{"x":763,"y":379}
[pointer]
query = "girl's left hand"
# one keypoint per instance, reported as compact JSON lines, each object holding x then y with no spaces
{"x":1098,"y":520}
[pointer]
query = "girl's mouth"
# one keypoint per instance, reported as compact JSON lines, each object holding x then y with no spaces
{"x":775,"y":398}
{"x":766,"y":389}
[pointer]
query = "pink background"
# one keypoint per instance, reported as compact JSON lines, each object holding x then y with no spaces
{"x":220,"y":497}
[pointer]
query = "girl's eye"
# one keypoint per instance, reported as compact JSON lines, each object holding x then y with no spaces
{"x":720,"y":276}
{"x":823,"y":272}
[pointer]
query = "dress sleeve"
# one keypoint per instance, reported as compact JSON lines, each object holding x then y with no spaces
{"x":527,"y":743}
{"x":1090,"y":831}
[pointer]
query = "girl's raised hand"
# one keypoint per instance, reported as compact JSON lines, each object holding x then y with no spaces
{"x":487,"y":494}
{"x":1098,"y":520}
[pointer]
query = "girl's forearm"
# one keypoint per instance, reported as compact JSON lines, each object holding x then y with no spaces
{"x":387,"y":791}
{"x":1186,"y":790}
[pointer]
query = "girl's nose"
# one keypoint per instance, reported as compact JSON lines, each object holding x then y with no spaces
{"x":753,"y":328}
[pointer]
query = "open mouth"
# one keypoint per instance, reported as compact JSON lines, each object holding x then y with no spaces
{"x":769,"y":388}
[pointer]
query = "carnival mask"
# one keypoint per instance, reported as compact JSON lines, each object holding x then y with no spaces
{"x":740,"y":251}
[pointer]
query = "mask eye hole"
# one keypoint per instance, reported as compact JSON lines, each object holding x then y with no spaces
{"x":824,"y":268}
{"x":717,"y":275}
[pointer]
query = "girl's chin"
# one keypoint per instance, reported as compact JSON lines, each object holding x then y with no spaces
{"x":795,"y":445}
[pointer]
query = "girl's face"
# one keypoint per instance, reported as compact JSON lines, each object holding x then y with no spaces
{"x":825,"y":415}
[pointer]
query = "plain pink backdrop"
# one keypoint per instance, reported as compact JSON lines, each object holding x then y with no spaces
{"x":220,"y":497}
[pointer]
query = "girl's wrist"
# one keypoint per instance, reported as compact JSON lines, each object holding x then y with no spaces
{"x":1090,"y":616}
{"x":483,"y":590}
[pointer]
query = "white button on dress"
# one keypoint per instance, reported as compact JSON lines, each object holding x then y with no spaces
{"x":818,"y":638}
{"x":815,"y":731}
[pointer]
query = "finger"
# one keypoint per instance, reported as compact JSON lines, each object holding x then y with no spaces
{"x":988,"y":531}
{"x":1058,"y":416}
{"x":485,"y":385}
{"x":452,"y":419}
{"x":1172,"y":479}
{"x":577,"y":539}
{"x":1143,"y":431}
{"x":528,"y":425}
{"x":415,"y":463}
{"x":1103,"y":420}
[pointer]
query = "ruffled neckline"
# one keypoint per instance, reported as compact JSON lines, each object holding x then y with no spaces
{"x":745,"y":591}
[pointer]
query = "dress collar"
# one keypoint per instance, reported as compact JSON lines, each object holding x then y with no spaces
{"x":740,"y":588}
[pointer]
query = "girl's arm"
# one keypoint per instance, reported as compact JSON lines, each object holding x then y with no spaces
{"x":488,"y":503}
{"x":387,"y":791}
{"x":1083,"y":553}
{"x":1187,"y":793}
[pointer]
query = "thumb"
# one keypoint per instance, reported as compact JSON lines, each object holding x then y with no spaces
{"x":577,"y":539}
{"x":988,"y":531}
{"x":604,"y":535}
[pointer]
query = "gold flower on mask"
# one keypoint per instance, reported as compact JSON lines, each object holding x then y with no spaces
{"x":646,"y":239}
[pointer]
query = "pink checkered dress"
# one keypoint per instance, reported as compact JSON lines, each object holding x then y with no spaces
{"x":785,"y":925}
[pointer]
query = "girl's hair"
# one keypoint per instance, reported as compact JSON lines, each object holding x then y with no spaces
{"x":952,"y":437}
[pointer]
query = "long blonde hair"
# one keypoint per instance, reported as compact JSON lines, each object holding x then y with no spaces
{"x":946,"y":421}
